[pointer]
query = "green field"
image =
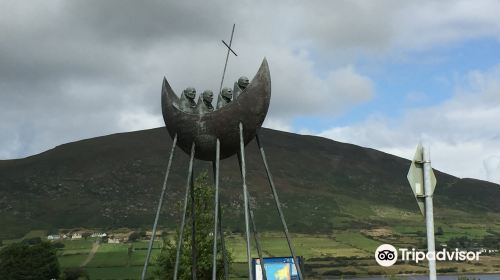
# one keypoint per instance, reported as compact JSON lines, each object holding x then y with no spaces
{"x":348,"y":252}
{"x":111,"y":261}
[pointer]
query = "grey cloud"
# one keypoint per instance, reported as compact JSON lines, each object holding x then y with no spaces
{"x":349,"y":24}
{"x":138,"y":22}
{"x":75,"y":69}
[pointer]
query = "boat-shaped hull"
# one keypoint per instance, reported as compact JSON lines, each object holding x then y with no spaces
{"x":250,"y":109}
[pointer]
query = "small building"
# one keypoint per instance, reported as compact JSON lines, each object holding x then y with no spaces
{"x":54,"y":237}
{"x":158,"y":233}
{"x":76,"y":235}
{"x":112,"y":240}
{"x":488,"y":251}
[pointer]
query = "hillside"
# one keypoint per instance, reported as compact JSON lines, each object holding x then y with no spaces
{"x":115,"y":180}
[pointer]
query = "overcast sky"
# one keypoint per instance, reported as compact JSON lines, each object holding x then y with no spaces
{"x":380,"y":74}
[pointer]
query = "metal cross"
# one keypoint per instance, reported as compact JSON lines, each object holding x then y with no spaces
{"x":229,"y":47}
{"x":227,"y":57}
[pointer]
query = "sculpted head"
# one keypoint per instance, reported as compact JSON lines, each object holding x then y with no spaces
{"x":243,"y":82}
{"x":190,"y":93}
{"x":227,"y":93}
{"x":208,"y":96}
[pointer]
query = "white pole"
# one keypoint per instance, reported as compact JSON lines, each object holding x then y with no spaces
{"x":429,"y":212}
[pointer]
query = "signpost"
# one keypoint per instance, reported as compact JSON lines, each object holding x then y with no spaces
{"x":423,"y":182}
{"x":277,"y":268}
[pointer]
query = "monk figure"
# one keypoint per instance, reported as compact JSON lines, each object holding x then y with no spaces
{"x":240,"y":86}
{"x":187,"y":103}
{"x":224,"y":97}
{"x":205,"y":102}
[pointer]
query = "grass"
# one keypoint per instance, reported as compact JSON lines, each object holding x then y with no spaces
{"x":358,"y":241}
{"x":344,"y":251}
{"x":122,"y":273}
{"x":111,"y":261}
{"x":71,"y":260}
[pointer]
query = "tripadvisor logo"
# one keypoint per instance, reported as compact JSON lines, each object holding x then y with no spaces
{"x":387,"y":255}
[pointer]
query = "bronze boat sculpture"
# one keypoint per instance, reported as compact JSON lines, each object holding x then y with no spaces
{"x":212,"y":136}
{"x":249,"y":109}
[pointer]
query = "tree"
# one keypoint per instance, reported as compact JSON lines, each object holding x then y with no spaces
{"x":439,"y":231}
{"x":134,"y":236}
{"x":104,"y":239}
{"x":142,"y":233}
{"x":29,"y":261}
{"x":86,"y":235}
{"x":204,"y":222}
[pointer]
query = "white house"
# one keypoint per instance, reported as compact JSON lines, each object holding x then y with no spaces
{"x":76,"y":235}
{"x":53,"y":237}
{"x":113,"y":240}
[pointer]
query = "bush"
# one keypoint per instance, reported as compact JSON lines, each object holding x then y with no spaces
{"x":447,"y":269}
{"x":25,"y":261}
{"x":75,"y":274}
{"x":439,"y":231}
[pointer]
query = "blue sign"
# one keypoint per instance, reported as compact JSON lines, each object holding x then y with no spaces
{"x":279,"y":268}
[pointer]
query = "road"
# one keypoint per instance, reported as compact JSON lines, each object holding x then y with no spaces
{"x":92,"y":252}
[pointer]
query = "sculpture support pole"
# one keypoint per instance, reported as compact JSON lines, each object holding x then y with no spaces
{"x":245,"y":198}
{"x":257,"y":244}
{"x":183,"y":221}
{"x":194,"y":263}
{"x":278,"y":206}
{"x":223,"y":245}
{"x":216,"y":208}
{"x":158,"y":210}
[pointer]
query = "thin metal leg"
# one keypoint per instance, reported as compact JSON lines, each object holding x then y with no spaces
{"x":257,"y":243}
{"x":278,"y":206}
{"x":223,"y":245}
{"x":216,"y":208}
{"x":160,"y":203}
{"x":194,"y":262}
{"x":183,"y":221}
{"x":245,"y":198}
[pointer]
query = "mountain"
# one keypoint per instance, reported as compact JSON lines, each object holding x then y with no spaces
{"x":115,"y":181}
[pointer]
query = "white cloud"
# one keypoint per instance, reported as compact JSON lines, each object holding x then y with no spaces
{"x":492,"y":168}
{"x":426,"y":24}
{"x":463,"y":131}
{"x":277,"y":124}
{"x":139,"y":120}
